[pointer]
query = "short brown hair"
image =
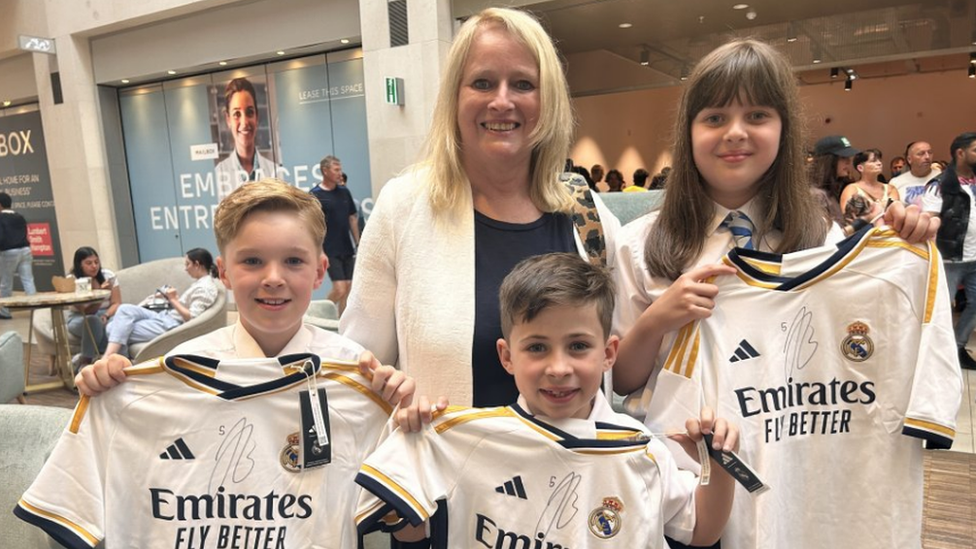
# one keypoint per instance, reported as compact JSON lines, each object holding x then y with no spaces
{"x":543,"y":281}
{"x":269,"y":195}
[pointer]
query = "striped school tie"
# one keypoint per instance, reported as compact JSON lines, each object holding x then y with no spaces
{"x":741,"y":228}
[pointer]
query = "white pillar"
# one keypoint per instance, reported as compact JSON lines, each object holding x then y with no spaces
{"x":396,"y":133}
{"x":76,"y":152}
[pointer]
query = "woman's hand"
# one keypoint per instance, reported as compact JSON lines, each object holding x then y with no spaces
{"x":689,"y":298}
{"x":171,"y":294}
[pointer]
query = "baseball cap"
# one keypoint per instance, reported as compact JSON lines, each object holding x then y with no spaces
{"x":836,"y":145}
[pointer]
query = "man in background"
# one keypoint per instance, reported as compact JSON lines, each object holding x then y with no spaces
{"x":911,"y":183}
{"x":342,"y":228}
{"x":15,"y":252}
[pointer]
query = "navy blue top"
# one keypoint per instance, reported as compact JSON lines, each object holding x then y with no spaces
{"x":498,"y":247}
{"x":337,"y":205}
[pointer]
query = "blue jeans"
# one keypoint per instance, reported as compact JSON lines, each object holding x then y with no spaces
{"x":963,"y":272}
{"x":90,"y":329}
{"x":135,"y":324}
{"x":17,"y":260}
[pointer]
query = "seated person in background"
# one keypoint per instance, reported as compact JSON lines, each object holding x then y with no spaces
{"x":138,"y":323}
{"x":555,"y":315}
{"x":87,"y":321}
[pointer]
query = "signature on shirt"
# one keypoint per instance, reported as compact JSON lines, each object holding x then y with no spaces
{"x":234,"y":456}
{"x":561,"y":507}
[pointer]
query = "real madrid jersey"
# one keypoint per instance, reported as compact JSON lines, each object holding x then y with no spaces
{"x":501,"y":478}
{"x":836,"y":363}
{"x":175,"y":457}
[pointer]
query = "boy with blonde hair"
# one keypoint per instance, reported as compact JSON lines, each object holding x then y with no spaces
{"x":225,"y":442}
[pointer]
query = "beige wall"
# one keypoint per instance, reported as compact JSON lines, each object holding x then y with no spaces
{"x":632,"y":130}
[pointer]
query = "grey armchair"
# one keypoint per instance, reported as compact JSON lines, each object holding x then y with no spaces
{"x":11,"y":367}
{"x":29,"y":434}
{"x":136,"y":283}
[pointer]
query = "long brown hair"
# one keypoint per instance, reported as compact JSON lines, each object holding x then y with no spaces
{"x":753,"y":73}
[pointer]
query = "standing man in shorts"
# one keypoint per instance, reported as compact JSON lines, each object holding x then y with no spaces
{"x":342,"y":224}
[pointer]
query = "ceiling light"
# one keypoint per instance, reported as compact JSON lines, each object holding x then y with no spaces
{"x":344,"y":41}
{"x":645,"y":57}
{"x":740,"y":6}
{"x":815,"y":53}
{"x":625,"y":25}
{"x":684,"y":72}
{"x":972,"y":71}
{"x":834,"y":72}
{"x":751,"y":14}
{"x":279,"y":52}
{"x":817,"y":60}
{"x":222,"y":63}
{"x":851,"y":74}
{"x":125,"y":80}
{"x":7,"y":103}
{"x":972,"y":58}
{"x":848,"y":84}
{"x":790,"y":33}
{"x":171,"y":72}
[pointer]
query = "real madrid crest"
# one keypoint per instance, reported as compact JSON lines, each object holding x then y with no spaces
{"x":605,"y":521}
{"x":289,"y":454}
{"x":857,"y":346}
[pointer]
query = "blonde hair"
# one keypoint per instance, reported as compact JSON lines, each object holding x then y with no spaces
{"x":449,"y":185}
{"x":268,"y":195}
{"x":751,"y":72}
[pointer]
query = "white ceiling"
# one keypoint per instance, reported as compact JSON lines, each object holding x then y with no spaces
{"x":875,"y":37}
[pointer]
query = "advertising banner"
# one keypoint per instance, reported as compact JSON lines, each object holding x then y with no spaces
{"x":190,"y":143}
{"x":25,"y":177}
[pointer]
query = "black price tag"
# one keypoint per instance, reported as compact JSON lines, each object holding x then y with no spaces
{"x":315,"y":448}
{"x":740,"y":471}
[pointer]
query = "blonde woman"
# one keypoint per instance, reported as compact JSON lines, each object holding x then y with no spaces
{"x":486,"y":195}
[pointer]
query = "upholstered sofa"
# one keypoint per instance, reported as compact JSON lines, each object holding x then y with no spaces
{"x":29,"y":434}
{"x":136,"y":283}
{"x":629,"y":206}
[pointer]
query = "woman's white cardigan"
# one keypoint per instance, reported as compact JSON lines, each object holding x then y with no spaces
{"x":412,"y":297}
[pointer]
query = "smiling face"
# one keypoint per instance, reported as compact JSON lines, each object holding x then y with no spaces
{"x":272,"y":265}
{"x":242,"y":119}
{"x":558,"y":359}
{"x":498,"y":101}
{"x":733,"y":146}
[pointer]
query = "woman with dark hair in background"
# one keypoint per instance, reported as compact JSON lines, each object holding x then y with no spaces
{"x":138,"y":323}
{"x":831,"y":171}
{"x":875,"y":195}
{"x":87,"y":321}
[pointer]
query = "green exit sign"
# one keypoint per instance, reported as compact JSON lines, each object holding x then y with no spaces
{"x":394,"y":91}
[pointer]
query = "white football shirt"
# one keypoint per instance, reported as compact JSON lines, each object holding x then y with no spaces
{"x":499,"y":477}
{"x":175,"y":457}
{"x":836,"y":363}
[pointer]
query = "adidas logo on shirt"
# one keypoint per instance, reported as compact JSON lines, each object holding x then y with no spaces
{"x":177,"y":450}
{"x":513,"y":487}
{"x":744,"y":352}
